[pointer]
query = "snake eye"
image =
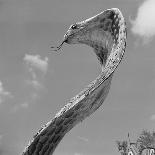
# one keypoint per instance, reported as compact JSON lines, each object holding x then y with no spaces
{"x":74,"y":26}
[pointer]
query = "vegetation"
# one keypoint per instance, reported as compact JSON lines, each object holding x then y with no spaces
{"x":145,"y":140}
{"x":122,"y":147}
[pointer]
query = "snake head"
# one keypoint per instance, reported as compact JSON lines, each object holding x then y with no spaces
{"x":94,"y":30}
{"x":103,"y":32}
{"x":75,"y":33}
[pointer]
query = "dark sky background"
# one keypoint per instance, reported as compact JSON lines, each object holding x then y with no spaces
{"x":35,"y":82}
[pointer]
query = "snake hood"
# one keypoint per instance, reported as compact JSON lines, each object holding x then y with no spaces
{"x":106,"y":33}
{"x":102,"y":32}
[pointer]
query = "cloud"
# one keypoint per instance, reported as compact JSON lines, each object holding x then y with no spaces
{"x":37,"y":67}
{"x":78,"y":153}
{"x":1,"y":147}
{"x":37,"y":62}
{"x":1,"y":137}
{"x":144,"y":23}
{"x":34,"y":77}
{"x":69,"y":153}
{"x":83,"y":138}
{"x":3,"y":93}
{"x":35,"y":83}
{"x":152,"y":118}
{"x":24,"y":105}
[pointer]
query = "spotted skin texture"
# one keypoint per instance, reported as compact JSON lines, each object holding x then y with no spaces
{"x":106,"y":34}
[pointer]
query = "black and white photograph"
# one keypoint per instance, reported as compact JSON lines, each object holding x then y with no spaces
{"x":77,"y":77}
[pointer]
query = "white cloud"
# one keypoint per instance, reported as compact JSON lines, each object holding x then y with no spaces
{"x":35,"y":83}
{"x":1,"y":137}
{"x":152,"y":118}
{"x":37,"y":67}
{"x":83,"y":138}
{"x":144,"y":23}
{"x":37,"y":62}
{"x":69,"y":153}
{"x":24,"y":105}
{"x":3,"y":93}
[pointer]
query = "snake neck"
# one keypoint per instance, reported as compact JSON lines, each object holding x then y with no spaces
{"x":83,"y":104}
{"x":79,"y":107}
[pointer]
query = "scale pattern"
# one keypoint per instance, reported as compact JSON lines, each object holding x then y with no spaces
{"x":90,"y":99}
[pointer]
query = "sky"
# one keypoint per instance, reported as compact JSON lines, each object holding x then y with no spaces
{"x":36,"y":83}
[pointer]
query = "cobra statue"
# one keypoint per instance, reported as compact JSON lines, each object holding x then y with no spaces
{"x":106,"y":34}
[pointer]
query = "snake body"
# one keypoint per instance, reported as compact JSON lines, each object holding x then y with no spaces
{"x":106,"y":34}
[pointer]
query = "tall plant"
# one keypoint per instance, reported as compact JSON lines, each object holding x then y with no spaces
{"x":145,"y":140}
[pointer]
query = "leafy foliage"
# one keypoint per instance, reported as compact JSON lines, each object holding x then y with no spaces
{"x":122,"y":147}
{"x":145,"y":140}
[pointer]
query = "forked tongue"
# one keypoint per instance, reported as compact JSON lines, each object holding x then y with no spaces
{"x":57,"y":48}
